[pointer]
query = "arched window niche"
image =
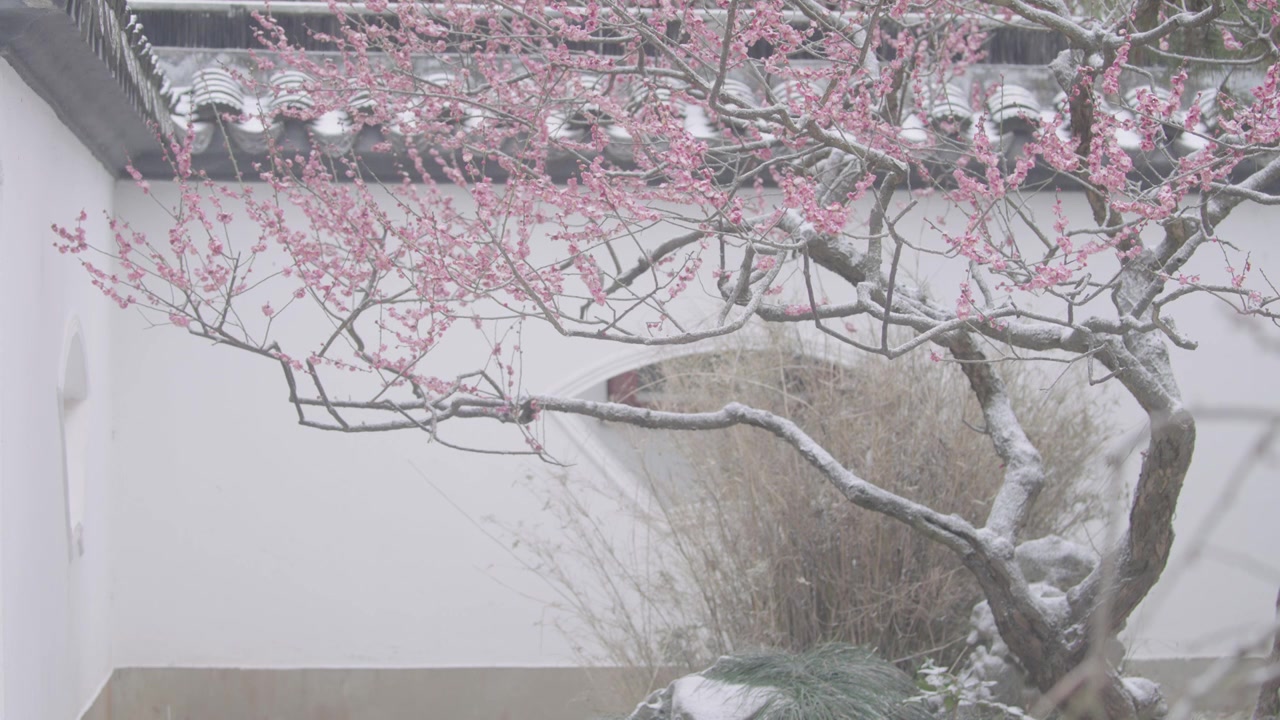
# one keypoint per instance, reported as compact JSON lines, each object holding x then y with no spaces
{"x":608,"y":450}
{"x":73,"y":394}
{"x":666,"y":462}
{"x":857,"y":408}
{"x":815,"y":386}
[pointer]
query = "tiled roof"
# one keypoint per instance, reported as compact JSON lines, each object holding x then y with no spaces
{"x":215,"y":100}
{"x":114,"y":89}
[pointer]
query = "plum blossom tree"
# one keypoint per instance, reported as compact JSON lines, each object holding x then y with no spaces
{"x":667,"y":172}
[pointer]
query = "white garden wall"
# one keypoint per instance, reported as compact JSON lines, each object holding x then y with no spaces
{"x":55,"y":602}
{"x":248,"y":541}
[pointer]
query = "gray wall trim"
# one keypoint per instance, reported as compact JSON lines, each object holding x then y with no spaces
{"x":494,"y":693}
{"x":363,"y":694}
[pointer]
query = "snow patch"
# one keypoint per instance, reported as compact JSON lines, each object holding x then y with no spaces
{"x":695,"y":697}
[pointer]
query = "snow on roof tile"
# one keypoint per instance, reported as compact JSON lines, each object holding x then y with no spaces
{"x":220,"y":92}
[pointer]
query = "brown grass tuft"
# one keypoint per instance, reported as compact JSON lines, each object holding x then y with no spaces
{"x":738,"y":544}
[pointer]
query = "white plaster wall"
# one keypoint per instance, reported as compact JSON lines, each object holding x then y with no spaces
{"x":245,"y":540}
{"x":55,"y":604}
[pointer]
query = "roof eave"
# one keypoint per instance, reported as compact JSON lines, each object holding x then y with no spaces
{"x":77,"y":56}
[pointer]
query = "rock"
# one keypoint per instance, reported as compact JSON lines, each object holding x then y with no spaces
{"x":993,"y":676}
{"x":695,"y":697}
{"x":1147,"y":698}
{"x":655,"y":707}
{"x":1056,"y":561}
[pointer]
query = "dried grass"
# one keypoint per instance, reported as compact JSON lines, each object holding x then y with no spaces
{"x":738,"y":544}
